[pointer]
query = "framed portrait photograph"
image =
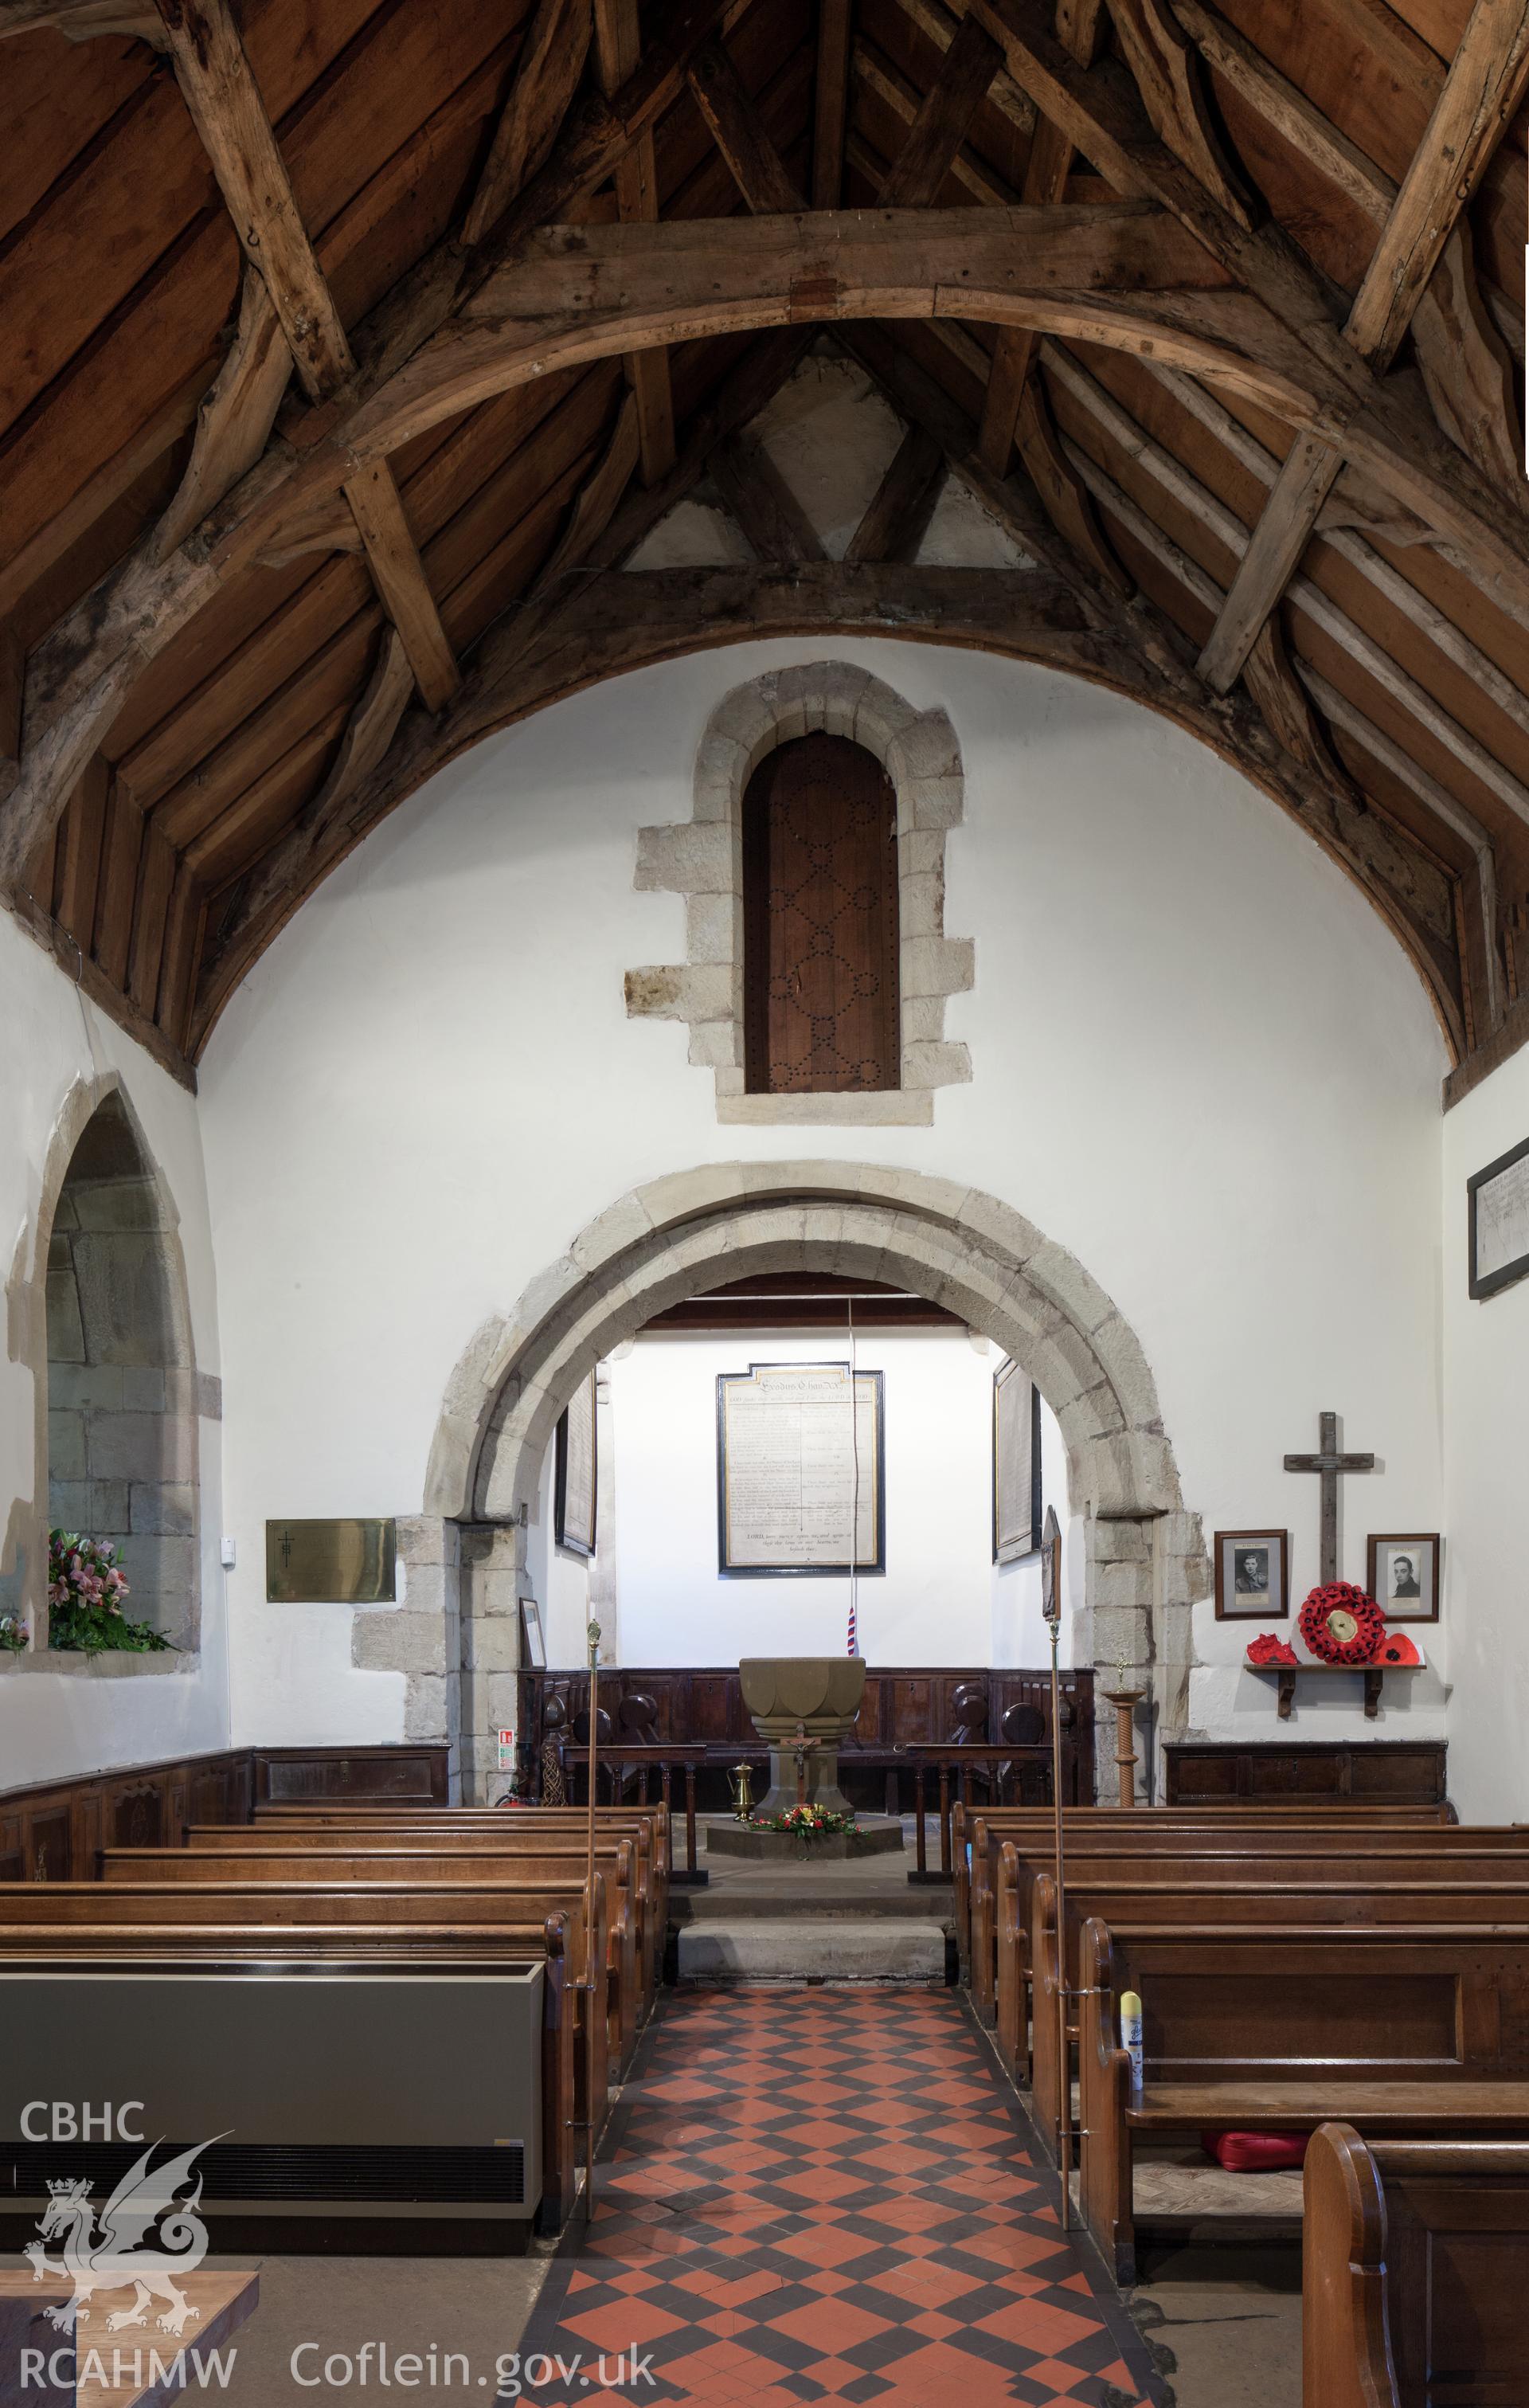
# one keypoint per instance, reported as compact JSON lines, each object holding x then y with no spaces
{"x":1499,"y":1222}
{"x":1404,"y":1575}
{"x":1252,"y":1575}
{"x":573,"y":1474}
{"x":533,"y":1644}
{"x":1016,"y":1502}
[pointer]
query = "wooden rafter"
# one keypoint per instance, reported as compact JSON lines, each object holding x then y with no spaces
{"x":1121,"y":273}
{"x":902,"y":504}
{"x":265,"y":899}
{"x":1079,"y":27}
{"x":1206,"y":510}
{"x":1485,"y":82}
{"x":547,"y":72}
{"x":1464,"y":360}
{"x":1102,"y":114}
{"x":236,"y":415}
{"x":219,"y":89}
{"x":617,"y":48}
{"x":916,"y":175}
{"x":779,"y":529}
{"x":229,"y":114}
{"x":754,"y":162}
{"x":1406,"y":887}
{"x":831,"y":103}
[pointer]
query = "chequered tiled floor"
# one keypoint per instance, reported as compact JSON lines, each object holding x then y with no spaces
{"x":828,"y":2195}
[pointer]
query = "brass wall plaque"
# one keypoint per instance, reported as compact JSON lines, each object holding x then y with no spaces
{"x":330,"y":1563}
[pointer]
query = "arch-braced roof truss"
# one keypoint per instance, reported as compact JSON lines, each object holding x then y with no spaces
{"x":353,"y":348}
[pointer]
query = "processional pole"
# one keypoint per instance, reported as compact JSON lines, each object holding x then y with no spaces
{"x":591,"y":2104}
{"x":1050,"y":1606}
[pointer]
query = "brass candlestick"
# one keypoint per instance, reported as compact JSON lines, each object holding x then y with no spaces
{"x":741,"y":1777}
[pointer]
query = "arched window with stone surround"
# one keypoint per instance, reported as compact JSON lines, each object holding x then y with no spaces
{"x":122,"y":1425}
{"x":819,"y":922}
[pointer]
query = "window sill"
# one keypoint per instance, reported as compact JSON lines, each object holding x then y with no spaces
{"x":891,"y":1107}
{"x":112,"y":1664}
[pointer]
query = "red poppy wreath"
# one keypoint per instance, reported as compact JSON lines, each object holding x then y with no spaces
{"x":1341,"y":1624}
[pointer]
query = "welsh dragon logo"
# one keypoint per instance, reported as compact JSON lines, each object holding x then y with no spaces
{"x":143,"y":2236}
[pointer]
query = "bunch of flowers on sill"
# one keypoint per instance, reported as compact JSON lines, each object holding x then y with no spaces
{"x":86,"y":1586}
{"x":806,"y":1822}
{"x":15,"y":1638}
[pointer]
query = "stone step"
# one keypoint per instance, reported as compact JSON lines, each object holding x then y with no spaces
{"x":813,"y":1948}
{"x":847,"y":1902}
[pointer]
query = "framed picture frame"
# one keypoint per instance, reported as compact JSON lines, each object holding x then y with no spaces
{"x":1017,"y":1506}
{"x":1498,"y":1205}
{"x":1404,"y":1574}
{"x":533,"y":1643}
{"x":790,"y":1460}
{"x":1252,"y":1575}
{"x":574,"y":1477}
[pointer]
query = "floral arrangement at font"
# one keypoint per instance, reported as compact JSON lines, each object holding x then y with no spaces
{"x":1341,"y":1624}
{"x":15,"y":1638}
{"x":806,"y":1822}
{"x":86,"y":1586}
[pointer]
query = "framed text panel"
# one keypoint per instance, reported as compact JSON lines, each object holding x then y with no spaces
{"x":575,"y":1471}
{"x":801,"y":1472}
{"x":1499,"y":1222}
{"x":1017,"y":1503}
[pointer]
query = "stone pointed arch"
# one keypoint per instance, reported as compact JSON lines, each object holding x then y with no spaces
{"x":1144,"y":1559}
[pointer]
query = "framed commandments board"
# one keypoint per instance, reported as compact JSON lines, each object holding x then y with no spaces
{"x":1016,"y":1502}
{"x":573,"y":1478}
{"x":800,"y":1473}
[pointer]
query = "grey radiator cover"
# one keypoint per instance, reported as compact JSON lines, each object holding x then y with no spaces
{"x":284,"y":2052}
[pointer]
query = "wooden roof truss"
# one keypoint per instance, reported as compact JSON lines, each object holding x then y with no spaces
{"x":1209,"y":310}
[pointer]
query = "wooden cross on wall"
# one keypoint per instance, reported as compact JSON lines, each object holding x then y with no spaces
{"x":1331,"y":1464}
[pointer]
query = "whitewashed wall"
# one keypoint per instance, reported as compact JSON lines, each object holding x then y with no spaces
{"x":80,"y":1722}
{"x":1201,"y":1064}
{"x":934,"y":1604}
{"x":1486,"y":1404}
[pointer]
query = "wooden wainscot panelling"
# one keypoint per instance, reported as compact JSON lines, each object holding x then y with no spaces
{"x":289,"y":1775}
{"x":1338,"y":1772}
{"x":55,"y":1830}
{"x":686,"y":1706}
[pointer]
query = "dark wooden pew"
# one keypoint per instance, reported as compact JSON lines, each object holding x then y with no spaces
{"x":412,"y":1867}
{"x":1148,"y":1828}
{"x":1402,"y":2033}
{"x":1347,"y":1875}
{"x":1169,"y":1906}
{"x":127,"y":1946}
{"x":647,"y":1826}
{"x":1320,"y":1841}
{"x":1415,"y":2271}
{"x":437,"y":1838}
{"x":631,"y":1854}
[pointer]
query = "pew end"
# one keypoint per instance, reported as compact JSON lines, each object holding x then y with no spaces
{"x":1415,"y":2266}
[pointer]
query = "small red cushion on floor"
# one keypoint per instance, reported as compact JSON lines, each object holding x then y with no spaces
{"x":1254,"y":2153}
